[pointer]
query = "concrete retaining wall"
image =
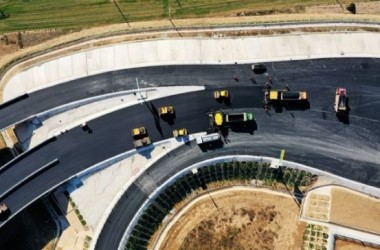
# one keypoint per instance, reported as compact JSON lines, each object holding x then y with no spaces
{"x":192,"y":51}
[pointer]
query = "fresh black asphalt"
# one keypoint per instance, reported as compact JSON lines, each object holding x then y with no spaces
{"x":335,"y":71}
{"x":314,"y":137}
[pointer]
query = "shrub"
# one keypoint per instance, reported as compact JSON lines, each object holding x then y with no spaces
{"x":351,"y":8}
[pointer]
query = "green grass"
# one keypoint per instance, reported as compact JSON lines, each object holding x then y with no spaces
{"x":68,"y":14}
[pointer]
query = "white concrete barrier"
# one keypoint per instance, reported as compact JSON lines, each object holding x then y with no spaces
{"x":178,"y":51}
{"x":337,"y":180}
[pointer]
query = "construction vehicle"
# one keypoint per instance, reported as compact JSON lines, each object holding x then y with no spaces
{"x":179,"y":132}
{"x":221,"y":94}
{"x":140,"y":137}
{"x":139,"y":131}
{"x":4,"y":212}
{"x":340,"y":104}
{"x":280,"y":95}
{"x":239,"y":117}
{"x":3,"y":208}
{"x":218,"y":118}
{"x":208,"y":138}
{"x":166,"y":110}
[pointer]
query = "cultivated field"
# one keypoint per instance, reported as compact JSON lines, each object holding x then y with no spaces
{"x":19,"y":15}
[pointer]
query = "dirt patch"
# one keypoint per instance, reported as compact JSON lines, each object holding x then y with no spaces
{"x":353,"y":209}
{"x":361,"y":8}
{"x":244,"y":219}
{"x":15,"y":41}
{"x":317,"y":207}
{"x":346,"y":245}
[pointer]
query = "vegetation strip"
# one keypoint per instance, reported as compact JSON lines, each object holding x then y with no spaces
{"x":248,"y":173}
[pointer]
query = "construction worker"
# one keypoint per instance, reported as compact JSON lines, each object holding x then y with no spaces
{"x":267,"y":86}
{"x":270,"y":80}
{"x":266,"y":108}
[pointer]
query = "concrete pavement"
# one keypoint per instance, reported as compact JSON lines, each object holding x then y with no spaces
{"x":49,"y":124}
{"x":191,"y":51}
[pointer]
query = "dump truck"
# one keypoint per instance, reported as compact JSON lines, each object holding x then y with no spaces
{"x":239,"y":117}
{"x":219,"y":94}
{"x":280,"y":95}
{"x":140,"y":137}
{"x":340,"y":104}
{"x":208,"y":138}
{"x":179,"y":132}
{"x":166,"y":110}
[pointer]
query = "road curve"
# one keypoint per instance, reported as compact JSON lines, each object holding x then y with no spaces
{"x":313,"y":137}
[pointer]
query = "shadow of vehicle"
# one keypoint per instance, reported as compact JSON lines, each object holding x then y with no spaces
{"x":297,"y":105}
{"x":86,"y":128}
{"x":184,"y":138}
{"x":244,"y":127}
{"x":227,"y":101}
{"x":146,"y":151}
{"x":4,"y":215}
{"x":211,"y":145}
{"x":259,"y":68}
{"x":278,"y":107}
{"x":169,"y":118}
{"x":344,"y":116}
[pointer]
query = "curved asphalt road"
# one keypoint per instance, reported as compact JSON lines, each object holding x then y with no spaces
{"x":337,"y":71}
{"x":314,"y":137}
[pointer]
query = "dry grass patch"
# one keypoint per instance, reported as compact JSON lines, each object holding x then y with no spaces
{"x":356,"y":210}
{"x":241,"y":219}
{"x":346,"y":245}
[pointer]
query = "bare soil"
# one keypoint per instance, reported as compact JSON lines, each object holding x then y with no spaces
{"x":361,"y":8}
{"x":356,"y":210}
{"x":346,"y":245}
{"x":241,"y":219}
{"x":15,"y":41}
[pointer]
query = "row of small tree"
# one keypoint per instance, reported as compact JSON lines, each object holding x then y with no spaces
{"x":244,"y":172}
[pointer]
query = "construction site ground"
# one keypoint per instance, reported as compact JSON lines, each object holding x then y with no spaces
{"x":236,"y":212}
{"x":238,"y":219}
{"x":355,"y":210}
{"x":346,"y":245}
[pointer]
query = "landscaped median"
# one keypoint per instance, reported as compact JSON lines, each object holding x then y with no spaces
{"x":165,"y":206}
{"x":155,"y":219}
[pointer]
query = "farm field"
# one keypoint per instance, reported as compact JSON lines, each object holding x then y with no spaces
{"x":18,"y":15}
